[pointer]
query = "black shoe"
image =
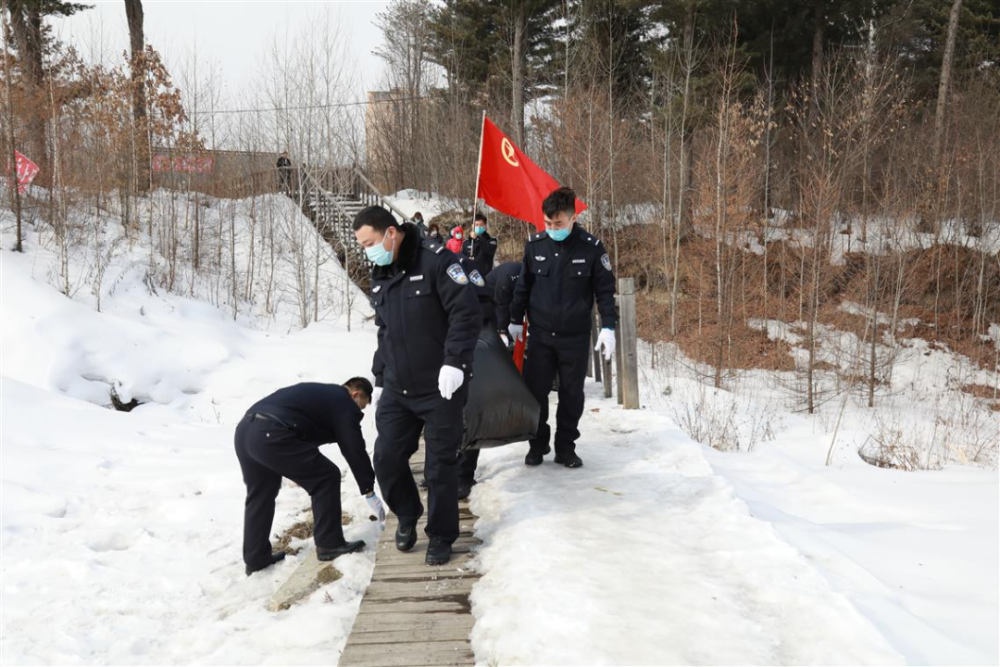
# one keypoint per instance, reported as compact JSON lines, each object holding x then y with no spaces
{"x":423,"y":482}
{"x":569,"y":460}
{"x":465,"y":488}
{"x":276,"y":557}
{"x":534,"y":457}
{"x":347,"y":548}
{"x":438,"y":552}
{"x":406,"y":536}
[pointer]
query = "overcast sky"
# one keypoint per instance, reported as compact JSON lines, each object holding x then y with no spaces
{"x":232,"y":34}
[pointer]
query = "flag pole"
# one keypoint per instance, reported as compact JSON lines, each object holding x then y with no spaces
{"x":479,"y":168}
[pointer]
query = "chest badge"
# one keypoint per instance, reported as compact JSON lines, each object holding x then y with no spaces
{"x":477,"y":278}
{"x":580,"y":261}
{"x":539,"y":258}
{"x":456,"y":273}
{"x":416,"y":278}
{"x":376,"y":289}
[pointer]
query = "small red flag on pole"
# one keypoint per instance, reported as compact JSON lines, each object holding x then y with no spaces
{"x":509,"y":181}
{"x":26,"y":170}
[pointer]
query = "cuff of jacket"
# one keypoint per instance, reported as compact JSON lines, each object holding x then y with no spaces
{"x":378,"y":381}
{"x":458,"y":362}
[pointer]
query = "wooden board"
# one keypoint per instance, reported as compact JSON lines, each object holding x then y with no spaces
{"x":412,"y":613}
{"x":307,"y":578}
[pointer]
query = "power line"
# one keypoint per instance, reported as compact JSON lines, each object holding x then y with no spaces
{"x":308,"y":106}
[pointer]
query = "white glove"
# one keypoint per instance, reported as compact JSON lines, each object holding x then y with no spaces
{"x":377,"y":506}
{"x":607,"y":339}
{"x":449,"y":380}
{"x":376,"y":394}
{"x":516,"y":332}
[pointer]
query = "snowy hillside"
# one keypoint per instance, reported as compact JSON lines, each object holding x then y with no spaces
{"x":121,"y":530}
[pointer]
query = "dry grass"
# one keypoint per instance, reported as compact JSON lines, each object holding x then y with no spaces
{"x":301,"y":530}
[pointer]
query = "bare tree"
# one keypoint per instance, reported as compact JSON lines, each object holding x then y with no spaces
{"x":137,"y":42}
{"x":945,"y":80}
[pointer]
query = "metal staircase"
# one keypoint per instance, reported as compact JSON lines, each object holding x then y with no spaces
{"x":332,"y":209}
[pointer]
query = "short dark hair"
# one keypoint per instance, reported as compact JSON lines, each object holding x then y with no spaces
{"x":418,"y":214}
{"x":559,"y":201}
{"x":361,"y":384}
{"x":375,"y":217}
{"x":480,"y":216}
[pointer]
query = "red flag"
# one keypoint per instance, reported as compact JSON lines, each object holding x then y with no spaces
{"x":510,"y":182}
{"x":26,"y":170}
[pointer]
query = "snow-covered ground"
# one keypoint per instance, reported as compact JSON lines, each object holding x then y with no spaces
{"x":121,"y":531}
{"x":664,"y":551}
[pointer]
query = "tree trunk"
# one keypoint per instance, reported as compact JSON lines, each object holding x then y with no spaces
{"x":137,"y":39}
{"x":517,"y":73}
{"x":819,"y":25}
{"x":946,"y":65}
{"x":15,"y":192}
{"x":26,"y":24}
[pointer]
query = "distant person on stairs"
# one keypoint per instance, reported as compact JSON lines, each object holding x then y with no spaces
{"x":280,"y":436}
{"x":284,"y":173}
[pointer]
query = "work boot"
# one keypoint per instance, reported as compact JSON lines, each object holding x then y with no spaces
{"x":465,"y":488}
{"x":570,"y":460}
{"x":438,"y":552}
{"x":534,"y":457}
{"x":324,"y":553}
{"x":406,"y":536}
{"x":276,"y":557}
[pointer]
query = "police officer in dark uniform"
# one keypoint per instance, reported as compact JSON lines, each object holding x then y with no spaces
{"x":280,"y":437}
{"x":428,"y":322}
{"x":500,"y":284}
{"x":483,"y":248}
{"x":565,"y":269}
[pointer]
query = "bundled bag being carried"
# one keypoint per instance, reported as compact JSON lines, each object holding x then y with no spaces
{"x":500,"y":409}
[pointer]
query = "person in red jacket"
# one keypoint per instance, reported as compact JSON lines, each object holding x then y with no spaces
{"x":454,"y":244}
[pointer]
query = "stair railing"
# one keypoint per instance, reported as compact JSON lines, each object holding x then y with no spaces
{"x":369,"y":194}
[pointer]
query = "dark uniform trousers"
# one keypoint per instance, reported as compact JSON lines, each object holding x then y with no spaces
{"x":267,"y":452}
{"x":467,"y":463}
{"x":401,"y":418}
{"x":548,"y":357}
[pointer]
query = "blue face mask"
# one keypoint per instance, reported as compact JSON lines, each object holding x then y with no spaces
{"x":378,"y":255}
{"x":480,"y":230}
{"x":559,"y":235}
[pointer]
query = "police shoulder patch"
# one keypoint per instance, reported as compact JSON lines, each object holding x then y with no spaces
{"x":476,"y":278}
{"x":539,"y":236}
{"x":456,"y":273}
{"x":606,"y":261}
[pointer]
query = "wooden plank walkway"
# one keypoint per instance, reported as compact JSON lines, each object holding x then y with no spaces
{"x":412,"y":613}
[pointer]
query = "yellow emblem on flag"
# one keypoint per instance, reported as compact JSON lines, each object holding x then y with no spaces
{"x":507,"y":149}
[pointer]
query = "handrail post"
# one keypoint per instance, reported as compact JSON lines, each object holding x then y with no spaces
{"x":627,"y":348}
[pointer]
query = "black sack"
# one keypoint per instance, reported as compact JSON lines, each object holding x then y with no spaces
{"x":500,"y":409}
